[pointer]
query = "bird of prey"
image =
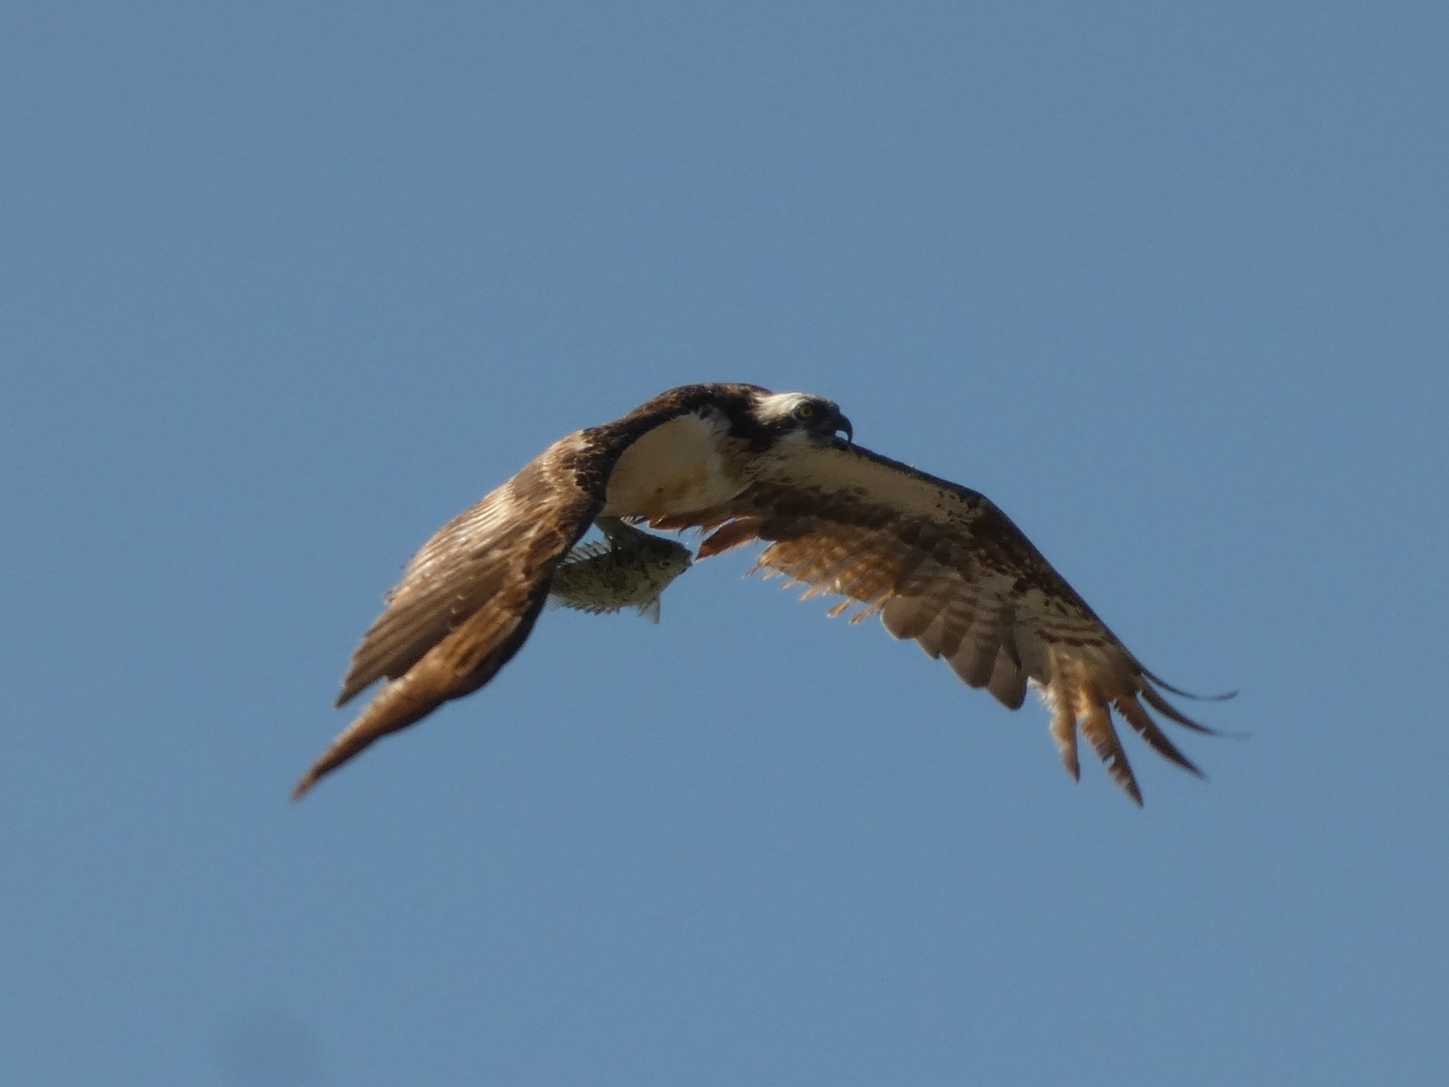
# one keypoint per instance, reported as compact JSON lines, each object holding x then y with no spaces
{"x":939,"y":563}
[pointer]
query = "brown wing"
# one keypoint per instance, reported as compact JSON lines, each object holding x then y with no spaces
{"x":467,"y":601}
{"x":942,"y":565}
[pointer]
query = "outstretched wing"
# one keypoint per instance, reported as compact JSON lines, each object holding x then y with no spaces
{"x":467,"y":601}
{"x":942,"y":565}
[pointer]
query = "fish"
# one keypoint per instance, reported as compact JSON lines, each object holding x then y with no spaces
{"x":629,"y":568}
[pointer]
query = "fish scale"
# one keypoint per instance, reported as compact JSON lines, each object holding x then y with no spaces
{"x":631,"y":568}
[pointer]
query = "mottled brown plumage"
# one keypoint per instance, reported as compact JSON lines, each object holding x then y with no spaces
{"x":469,"y":598}
{"x":939,"y":563}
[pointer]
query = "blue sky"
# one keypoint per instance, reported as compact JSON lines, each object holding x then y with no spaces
{"x":285,"y":286}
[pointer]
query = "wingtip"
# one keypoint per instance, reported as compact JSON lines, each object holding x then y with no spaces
{"x":1220,"y":696}
{"x":1067,"y":749}
{"x":1126,"y":780}
{"x":1193,"y":768}
{"x":303,"y":786}
{"x":345,"y":694}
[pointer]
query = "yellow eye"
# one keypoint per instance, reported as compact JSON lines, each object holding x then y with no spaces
{"x":804,"y":411}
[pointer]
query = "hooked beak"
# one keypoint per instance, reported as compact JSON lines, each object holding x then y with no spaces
{"x":843,"y":424}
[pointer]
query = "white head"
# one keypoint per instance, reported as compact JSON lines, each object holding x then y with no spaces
{"x":803,"y":414}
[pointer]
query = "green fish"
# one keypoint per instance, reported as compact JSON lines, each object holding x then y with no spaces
{"x":630,"y":568}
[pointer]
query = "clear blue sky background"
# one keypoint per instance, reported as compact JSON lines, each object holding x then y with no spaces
{"x":282,"y":287}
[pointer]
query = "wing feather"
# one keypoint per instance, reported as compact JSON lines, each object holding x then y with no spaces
{"x":1133,"y":713}
{"x":533,"y":518}
{"x":1008,"y":682}
{"x":975,"y":660}
{"x":909,"y":616}
{"x":467,"y":601}
{"x":945,"y":567}
{"x":1097,"y":727}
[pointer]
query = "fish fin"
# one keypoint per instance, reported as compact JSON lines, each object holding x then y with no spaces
{"x":650,"y":610}
{"x":591,"y":550}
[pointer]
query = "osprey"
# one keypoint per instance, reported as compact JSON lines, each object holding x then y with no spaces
{"x":937,"y":562}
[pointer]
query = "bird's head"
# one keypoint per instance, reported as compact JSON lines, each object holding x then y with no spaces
{"x":812,"y":417}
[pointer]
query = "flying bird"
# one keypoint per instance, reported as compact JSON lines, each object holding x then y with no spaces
{"x":937,"y":562}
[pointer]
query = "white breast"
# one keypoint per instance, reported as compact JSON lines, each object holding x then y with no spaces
{"x":675,"y":468}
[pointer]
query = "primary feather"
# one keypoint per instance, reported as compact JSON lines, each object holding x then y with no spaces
{"x":943,"y":566}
